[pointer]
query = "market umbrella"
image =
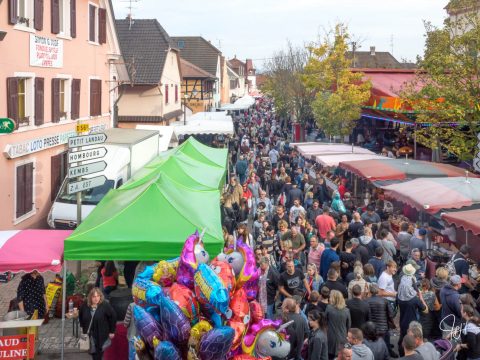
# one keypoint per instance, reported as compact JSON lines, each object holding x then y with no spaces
{"x":469,"y":220}
{"x":147,"y":220}
{"x":28,"y":250}
{"x":400,"y":169}
{"x":434,"y":194}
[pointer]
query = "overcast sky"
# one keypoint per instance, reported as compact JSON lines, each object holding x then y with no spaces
{"x":257,"y":28}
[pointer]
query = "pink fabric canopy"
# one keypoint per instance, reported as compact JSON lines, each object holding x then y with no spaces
{"x":434,"y":194}
{"x":28,"y":250}
{"x":469,"y":220}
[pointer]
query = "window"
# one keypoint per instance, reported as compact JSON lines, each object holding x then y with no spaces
{"x":58,"y":170}
{"x":60,"y":99}
{"x":23,"y":12}
{"x":75,"y":103}
{"x":24,"y":190}
{"x":176,"y":93}
{"x":95,"y":97}
{"x":20,"y":92}
{"x":97,"y":24}
{"x":181,"y":44}
{"x":166,"y":94}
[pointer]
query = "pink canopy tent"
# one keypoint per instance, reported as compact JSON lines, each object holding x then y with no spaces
{"x":314,"y":149}
{"x":28,"y":250}
{"x":469,"y":220}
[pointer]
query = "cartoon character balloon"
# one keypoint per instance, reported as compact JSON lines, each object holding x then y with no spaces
{"x":165,"y":350}
{"x":242,"y":260}
{"x":210,"y":290}
{"x":240,"y":316}
{"x":146,"y":326}
{"x":192,"y":255}
{"x":216,"y":343}
{"x":225,"y":273}
{"x":146,"y":292}
{"x":251,"y":286}
{"x":173,"y":321}
{"x":165,"y":272}
{"x":256,"y":311}
{"x":196,"y":334}
{"x":265,"y":339}
{"x":186,"y":300}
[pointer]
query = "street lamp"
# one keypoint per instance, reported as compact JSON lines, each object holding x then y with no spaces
{"x":185,"y":98}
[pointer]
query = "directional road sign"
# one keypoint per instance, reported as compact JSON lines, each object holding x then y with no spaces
{"x":86,"y":169}
{"x":84,"y":155}
{"x":476,"y":163}
{"x":77,"y":186}
{"x":92,"y":139}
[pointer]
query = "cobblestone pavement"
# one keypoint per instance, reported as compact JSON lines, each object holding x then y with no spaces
{"x":49,"y":335}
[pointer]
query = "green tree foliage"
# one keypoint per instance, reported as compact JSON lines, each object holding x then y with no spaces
{"x":446,"y":90}
{"x":284,"y":83}
{"x":339,"y":92}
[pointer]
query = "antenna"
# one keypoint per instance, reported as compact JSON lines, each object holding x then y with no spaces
{"x":391,"y":43}
{"x":130,"y":7}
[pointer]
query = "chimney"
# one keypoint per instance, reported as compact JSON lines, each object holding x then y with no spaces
{"x":372,"y":50}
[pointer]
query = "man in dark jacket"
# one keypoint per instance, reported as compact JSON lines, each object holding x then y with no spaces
{"x":241,"y":169}
{"x":451,"y":308}
{"x":360,"y":251}
{"x":298,"y":331}
{"x":359,"y":309}
{"x":380,"y":315}
{"x":314,"y":211}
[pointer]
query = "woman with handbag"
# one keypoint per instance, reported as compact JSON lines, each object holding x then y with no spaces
{"x":97,"y":319}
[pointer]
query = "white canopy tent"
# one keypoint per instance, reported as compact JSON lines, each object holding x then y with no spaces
{"x":241,"y":104}
{"x":198,"y":127}
{"x":335,"y":159}
{"x":207,"y":116}
{"x":315,"y":149}
{"x":167,"y":137}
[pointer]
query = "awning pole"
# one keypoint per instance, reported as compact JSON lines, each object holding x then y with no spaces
{"x":415,"y":142}
{"x":355,"y":187}
{"x":466,"y":237}
{"x":64,"y":298}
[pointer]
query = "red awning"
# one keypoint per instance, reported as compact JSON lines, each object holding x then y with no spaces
{"x":387,"y":82}
{"x":400,"y":169}
{"x":469,"y":220}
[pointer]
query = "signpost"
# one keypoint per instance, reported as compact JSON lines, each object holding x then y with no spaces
{"x":81,"y":128}
{"x":7,"y":125}
{"x":85,"y":140}
{"x":87,"y":169}
{"x":90,"y":183}
{"x":83,"y":155}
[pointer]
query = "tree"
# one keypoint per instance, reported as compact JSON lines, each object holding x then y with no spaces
{"x":446,"y":91}
{"x":284,"y":83}
{"x":340,"y":93}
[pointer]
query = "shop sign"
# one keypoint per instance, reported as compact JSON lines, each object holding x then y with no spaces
{"x":13,"y":151}
{"x":17,"y":347}
{"x":46,"y":52}
{"x":7,"y":125}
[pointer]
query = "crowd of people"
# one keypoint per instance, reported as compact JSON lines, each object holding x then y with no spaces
{"x":332,"y":264}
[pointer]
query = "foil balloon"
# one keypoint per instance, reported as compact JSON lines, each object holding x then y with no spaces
{"x":210,"y":290}
{"x":249,"y":268}
{"x":235,"y":259}
{"x":201,"y":255}
{"x":173,"y":321}
{"x":225,"y":273}
{"x":248,"y":357}
{"x":251,"y":286}
{"x":165,"y":350}
{"x":188,"y":262}
{"x":185,"y":299}
{"x":165,"y":272}
{"x":198,"y":330}
{"x":266,"y":338}
{"x":146,"y":292}
{"x":240,"y":316}
{"x":256,"y":311}
{"x":146,"y":326}
{"x":216,"y":343}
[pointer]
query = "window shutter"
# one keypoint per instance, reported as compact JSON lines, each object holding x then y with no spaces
{"x":91,"y":23}
{"x":38,"y":14}
{"x":176,"y":93}
{"x":95,"y":97}
{"x":12,"y":11}
{"x":28,"y":187}
{"x":39,"y":96}
{"x":73,"y":18}
{"x":75,"y":112}
{"x":55,"y":100}
{"x":55,"y":16}
{"x":12,"y":99}
{"x":20,"y":191}
{"x":102,"y":26}
{"x":166,"y":94}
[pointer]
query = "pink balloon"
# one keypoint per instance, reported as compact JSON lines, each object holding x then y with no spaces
{"x":188,"y":263}
{"x":249,"y":267}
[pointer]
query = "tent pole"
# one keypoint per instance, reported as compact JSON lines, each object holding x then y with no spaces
{"x":466,"y":237}
{"x":64,"y":298}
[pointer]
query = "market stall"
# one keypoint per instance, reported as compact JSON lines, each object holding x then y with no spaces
{"x":381,"y":169}
{"x":314,"y":149}
{"x":167,"y":139}
{"x":329,"y":160}
{"x":469,"y":220}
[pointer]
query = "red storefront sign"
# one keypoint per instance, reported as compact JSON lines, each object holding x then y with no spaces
{"x":17,"y":347}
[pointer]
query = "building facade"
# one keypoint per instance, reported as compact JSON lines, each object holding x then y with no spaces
{"x":197,"y":87}
{"x":58,"y":67}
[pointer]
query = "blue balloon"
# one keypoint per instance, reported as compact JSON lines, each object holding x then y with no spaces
{"x":146,"y":292}
{"x":216,"y":343}
{"x":146,"y":325}
{"x":165,"y":350}
{"x":174,"y":322}
{"x":210,"y":290}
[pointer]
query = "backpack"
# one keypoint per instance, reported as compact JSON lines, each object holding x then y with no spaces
{"x":450,"y":265}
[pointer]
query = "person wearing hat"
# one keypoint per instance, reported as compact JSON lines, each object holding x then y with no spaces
{"x":417,"y":262}
{"x":451,"y":308}
{"x":418,"y":241}
{"x":410,"y":301}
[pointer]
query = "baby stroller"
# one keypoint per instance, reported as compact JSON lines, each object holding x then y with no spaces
{"x":445,"y":348}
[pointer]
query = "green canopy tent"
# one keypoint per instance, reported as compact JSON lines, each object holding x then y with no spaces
{"x":147,"y":220}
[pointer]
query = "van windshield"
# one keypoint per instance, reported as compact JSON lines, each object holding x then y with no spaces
{"x":89,"y":197}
